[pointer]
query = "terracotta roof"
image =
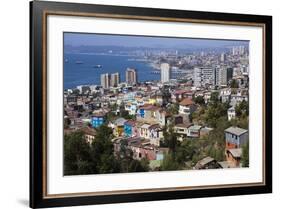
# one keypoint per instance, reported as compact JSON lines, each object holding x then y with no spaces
{"x":99,"y":114}
{"x":150,"y":107}
{"x":182,"y":91}
{"x":186,"y":102}
{"x":89,"y":131}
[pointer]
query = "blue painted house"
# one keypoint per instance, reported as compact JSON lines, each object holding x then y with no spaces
{"x":130,"y":128}
{"x":97,"y":120}
{"x":235,"y":137}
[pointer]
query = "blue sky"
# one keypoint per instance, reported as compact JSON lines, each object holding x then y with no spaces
{"x":78,"y":39}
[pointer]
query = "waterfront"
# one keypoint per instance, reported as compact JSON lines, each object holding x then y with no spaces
{"x":86,"y":74}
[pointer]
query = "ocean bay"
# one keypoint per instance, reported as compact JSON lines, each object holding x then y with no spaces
{"x":81,"y":68}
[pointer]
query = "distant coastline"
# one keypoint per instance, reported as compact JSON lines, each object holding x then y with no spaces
{"x":85,"y":74}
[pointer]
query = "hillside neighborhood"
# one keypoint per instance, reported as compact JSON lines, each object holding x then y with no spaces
{"x":199,"y":121}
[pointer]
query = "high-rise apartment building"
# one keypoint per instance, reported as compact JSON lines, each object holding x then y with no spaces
{"x":223,"y":75}
{"x":223,"y":57}
{"x":114,"y":79}
{"x":131,"y":76}
{"x":105,"y":80}
{"x":203,"y":76}
{"x":165,"y":72}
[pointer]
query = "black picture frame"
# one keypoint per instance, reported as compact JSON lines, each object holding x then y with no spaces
{"x":38,"y":11}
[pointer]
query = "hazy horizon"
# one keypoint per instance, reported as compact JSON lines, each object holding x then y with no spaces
{"x":87,"y":39}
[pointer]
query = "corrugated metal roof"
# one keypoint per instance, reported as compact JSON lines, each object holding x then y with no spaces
{"x":235,"y":130}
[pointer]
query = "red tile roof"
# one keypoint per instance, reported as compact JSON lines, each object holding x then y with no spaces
{"x":150,"y":107}
{"x":186,"y":102}
{"x":182,"y":91}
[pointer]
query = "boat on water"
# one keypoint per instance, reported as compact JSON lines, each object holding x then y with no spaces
{"x":97,"y":66}
{"x":78,"y":62}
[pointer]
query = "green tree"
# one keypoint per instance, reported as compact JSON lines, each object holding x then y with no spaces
{"x":139,"y":165}
{"x":234,"y":84}
{"x":170,"y":138}
{"x":214,"y":112}
{"x":242,"y":109}
{"x":166,"y":95}
{"x":245,"y":155}
{"x":199,"y":100}
{"x":127,"y":162}
{"x":102,"y":151}
{"x":76,"y":154}
{"x":214,"y":98}
{"x":185,"y":152}
{"x":169,"y":163}
{"x":173,"y":108}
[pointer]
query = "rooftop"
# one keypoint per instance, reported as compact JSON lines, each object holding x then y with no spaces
{"x":89,"y":131}
{"x":130,"y":122}
{"x":99,"y":114}
{"x":119,"y":121}
{"x":186,"y":102}
{"x":236,"y":152}
{"x":195,"y":127}
{"x":205,"y":161}
{"x":236,"y":131}
{"x":182,"y":91}
{"x":149,"y":107}
{"x":145,"y":126}
{"x":183,"y":125}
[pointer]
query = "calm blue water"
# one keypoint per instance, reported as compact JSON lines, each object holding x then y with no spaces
{"x":86,"y":74}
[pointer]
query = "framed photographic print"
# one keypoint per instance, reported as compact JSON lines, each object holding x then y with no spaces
{"x":140,"y":104}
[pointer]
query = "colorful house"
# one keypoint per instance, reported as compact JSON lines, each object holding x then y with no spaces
{"x":180,"y":94}
{"x":97,"y":120}
{"x":144,"y":131}
{"x":118,"y":126}
{"x":130,"y":129}
{"x":235,"y":137}
{"x":155,"y":134}
{"x":147,"y":113}
{"x":142,"y":149}
{"x":187,"y":106}
{"x":131,"y":107}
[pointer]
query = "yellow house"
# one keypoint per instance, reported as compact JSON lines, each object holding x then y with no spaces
{"x":152,"y":101}
{"x":119,"y":127}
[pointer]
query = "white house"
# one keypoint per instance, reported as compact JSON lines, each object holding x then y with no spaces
{"x":225,"y":94}
{"x":155,"y":134}
{"x":186,"y":106}
{"x":194,"y":131}
{"x":231,"y":113}
{"x":181,"y":130}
